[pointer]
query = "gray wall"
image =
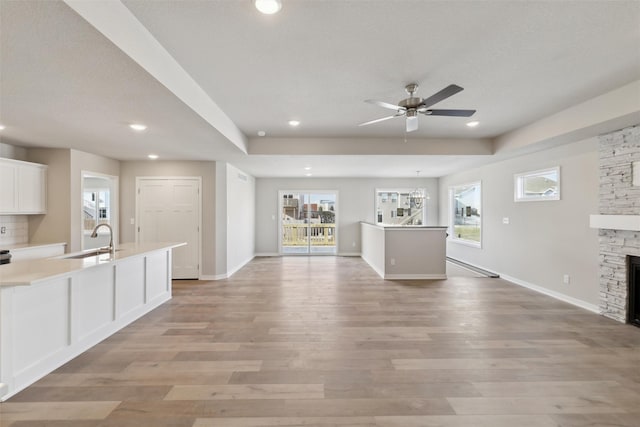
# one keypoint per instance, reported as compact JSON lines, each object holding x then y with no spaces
{"x":544,"y":240}
{"x":129,"y":170}
{"x":356,"y":202}
{"x":63,"y":221}
{"x":9,"y":151}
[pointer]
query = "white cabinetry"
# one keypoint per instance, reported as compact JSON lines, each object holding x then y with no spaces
{"x":45,"y":324}
{"x":23,"y":187}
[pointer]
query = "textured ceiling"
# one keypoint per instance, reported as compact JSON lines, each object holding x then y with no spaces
{"x":64,"y":84}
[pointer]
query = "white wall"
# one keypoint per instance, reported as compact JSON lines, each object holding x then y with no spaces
{"x":241,"y":218}
{"x":356,"y":202}
{"x":544,"y":240}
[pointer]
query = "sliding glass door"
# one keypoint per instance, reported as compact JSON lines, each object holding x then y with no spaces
{"x":308,"y":222}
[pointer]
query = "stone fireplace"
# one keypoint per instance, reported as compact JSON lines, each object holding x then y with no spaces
{"x":619,"y":219}
{"x":634,"y":290}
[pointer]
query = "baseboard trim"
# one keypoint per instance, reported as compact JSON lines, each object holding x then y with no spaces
{"x":415,"y":276}
{"x":212,"y":277}
{"x":373,"y":267}
{"x":557,"y":295}
{"x":474,"y":268}
{"x":267,"y":254}
{"x":349,"y":254}
{"x":229,"y":273}
{"x":239,"y":266}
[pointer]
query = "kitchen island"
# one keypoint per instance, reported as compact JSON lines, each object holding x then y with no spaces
{"x":52,"y":310}
{"x":405,"y":252}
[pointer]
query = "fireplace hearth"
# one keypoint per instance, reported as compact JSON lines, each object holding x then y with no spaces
{"x":634,"y":290}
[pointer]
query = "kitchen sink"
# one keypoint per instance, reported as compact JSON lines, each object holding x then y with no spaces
{"x":91,"y":253}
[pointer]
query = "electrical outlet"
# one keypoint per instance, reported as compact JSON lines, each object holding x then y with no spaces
{"x":505,"y":220}
{"x":566,"y":279}
{"x":133,"y":221}
{"x":393,"y":261}
{"x":353,"y":243}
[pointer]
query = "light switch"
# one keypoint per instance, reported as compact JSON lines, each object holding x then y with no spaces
{"x":133,"y":221}
{"x":505,"y":220}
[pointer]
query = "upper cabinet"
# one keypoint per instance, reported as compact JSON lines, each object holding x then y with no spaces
{"x":23,"y":187}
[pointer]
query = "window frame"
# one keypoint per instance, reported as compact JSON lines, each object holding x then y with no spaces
{"x":390,"y":200}
{"x":519,"y":180}
{"x":452,"y":235}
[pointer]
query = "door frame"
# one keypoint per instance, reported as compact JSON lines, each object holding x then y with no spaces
{"x":183,"y":178}
{"x":337,"y":216}
{"x":114,"y":195}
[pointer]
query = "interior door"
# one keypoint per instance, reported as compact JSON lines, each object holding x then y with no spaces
{"x":169,"y":211}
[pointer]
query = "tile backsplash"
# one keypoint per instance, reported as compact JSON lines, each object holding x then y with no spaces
{"x":14,"y":230}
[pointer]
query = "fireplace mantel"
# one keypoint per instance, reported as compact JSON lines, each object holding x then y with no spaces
{"x":615,"y":222}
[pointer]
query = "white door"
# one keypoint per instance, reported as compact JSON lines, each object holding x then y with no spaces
{"x":168,"y":210}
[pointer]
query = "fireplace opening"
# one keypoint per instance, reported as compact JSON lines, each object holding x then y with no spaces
{"x":634,"y":290}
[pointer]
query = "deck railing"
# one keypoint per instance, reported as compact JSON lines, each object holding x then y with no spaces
{"x":319,"y":234}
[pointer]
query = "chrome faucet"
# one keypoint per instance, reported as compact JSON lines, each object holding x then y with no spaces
{"x":94,"y":234}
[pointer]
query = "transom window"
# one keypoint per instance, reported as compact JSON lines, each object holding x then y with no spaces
{"x":537,"y":185}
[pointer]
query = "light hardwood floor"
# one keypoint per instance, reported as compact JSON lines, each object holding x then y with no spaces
{"x":324,"y":341}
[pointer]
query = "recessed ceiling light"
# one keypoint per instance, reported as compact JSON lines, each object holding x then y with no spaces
{"x":139,"y":127}
{"x":268,"y":7}
{"x":307,"y":168}
{"x":152,"y":156}
{"x":307,"y":174}
{"x":261,"y":133}
{"x":2,"y":127}
{"x":473,"y":124}
{"x":294,"y":123}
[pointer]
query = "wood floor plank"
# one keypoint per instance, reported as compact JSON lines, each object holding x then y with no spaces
{"x":287,"y":421}
{"x":467,"y":421}
{"x":324,"y":341}
{"x":550,"y":388}
{"x":246,"y":391}
{"x":533,"y":405}
{"x":18,"y":411}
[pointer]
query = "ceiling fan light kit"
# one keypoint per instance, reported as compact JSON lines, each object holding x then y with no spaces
{"x":268,"y":7}
{"x":413,"y":105}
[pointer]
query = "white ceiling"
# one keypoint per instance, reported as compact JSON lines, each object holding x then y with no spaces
{"x":65,"y":84}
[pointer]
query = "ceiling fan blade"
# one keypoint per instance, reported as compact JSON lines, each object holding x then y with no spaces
{"x":442,"y":95}
{"x":379,"y":120}
{"x":385,"y":105}
{"x":412,"y":123}
{"x":452,"y":113}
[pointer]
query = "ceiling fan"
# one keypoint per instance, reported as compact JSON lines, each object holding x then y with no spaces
{"x":413,"y":105}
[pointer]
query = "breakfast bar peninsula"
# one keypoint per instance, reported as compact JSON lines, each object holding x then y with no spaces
{"x":53,"y":309}
{"x":405,"y":252}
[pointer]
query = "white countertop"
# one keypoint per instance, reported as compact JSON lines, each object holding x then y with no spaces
{"x":29,"y":272}
{"x":20,"y":246}
{"x":405,"y":227}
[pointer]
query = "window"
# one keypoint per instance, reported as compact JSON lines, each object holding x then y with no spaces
{"x":398,"y":207}
{"x":537,"y":185}
{"x":466,"y":213}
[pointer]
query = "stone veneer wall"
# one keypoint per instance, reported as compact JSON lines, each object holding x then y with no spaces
{"x":618,"y":196}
